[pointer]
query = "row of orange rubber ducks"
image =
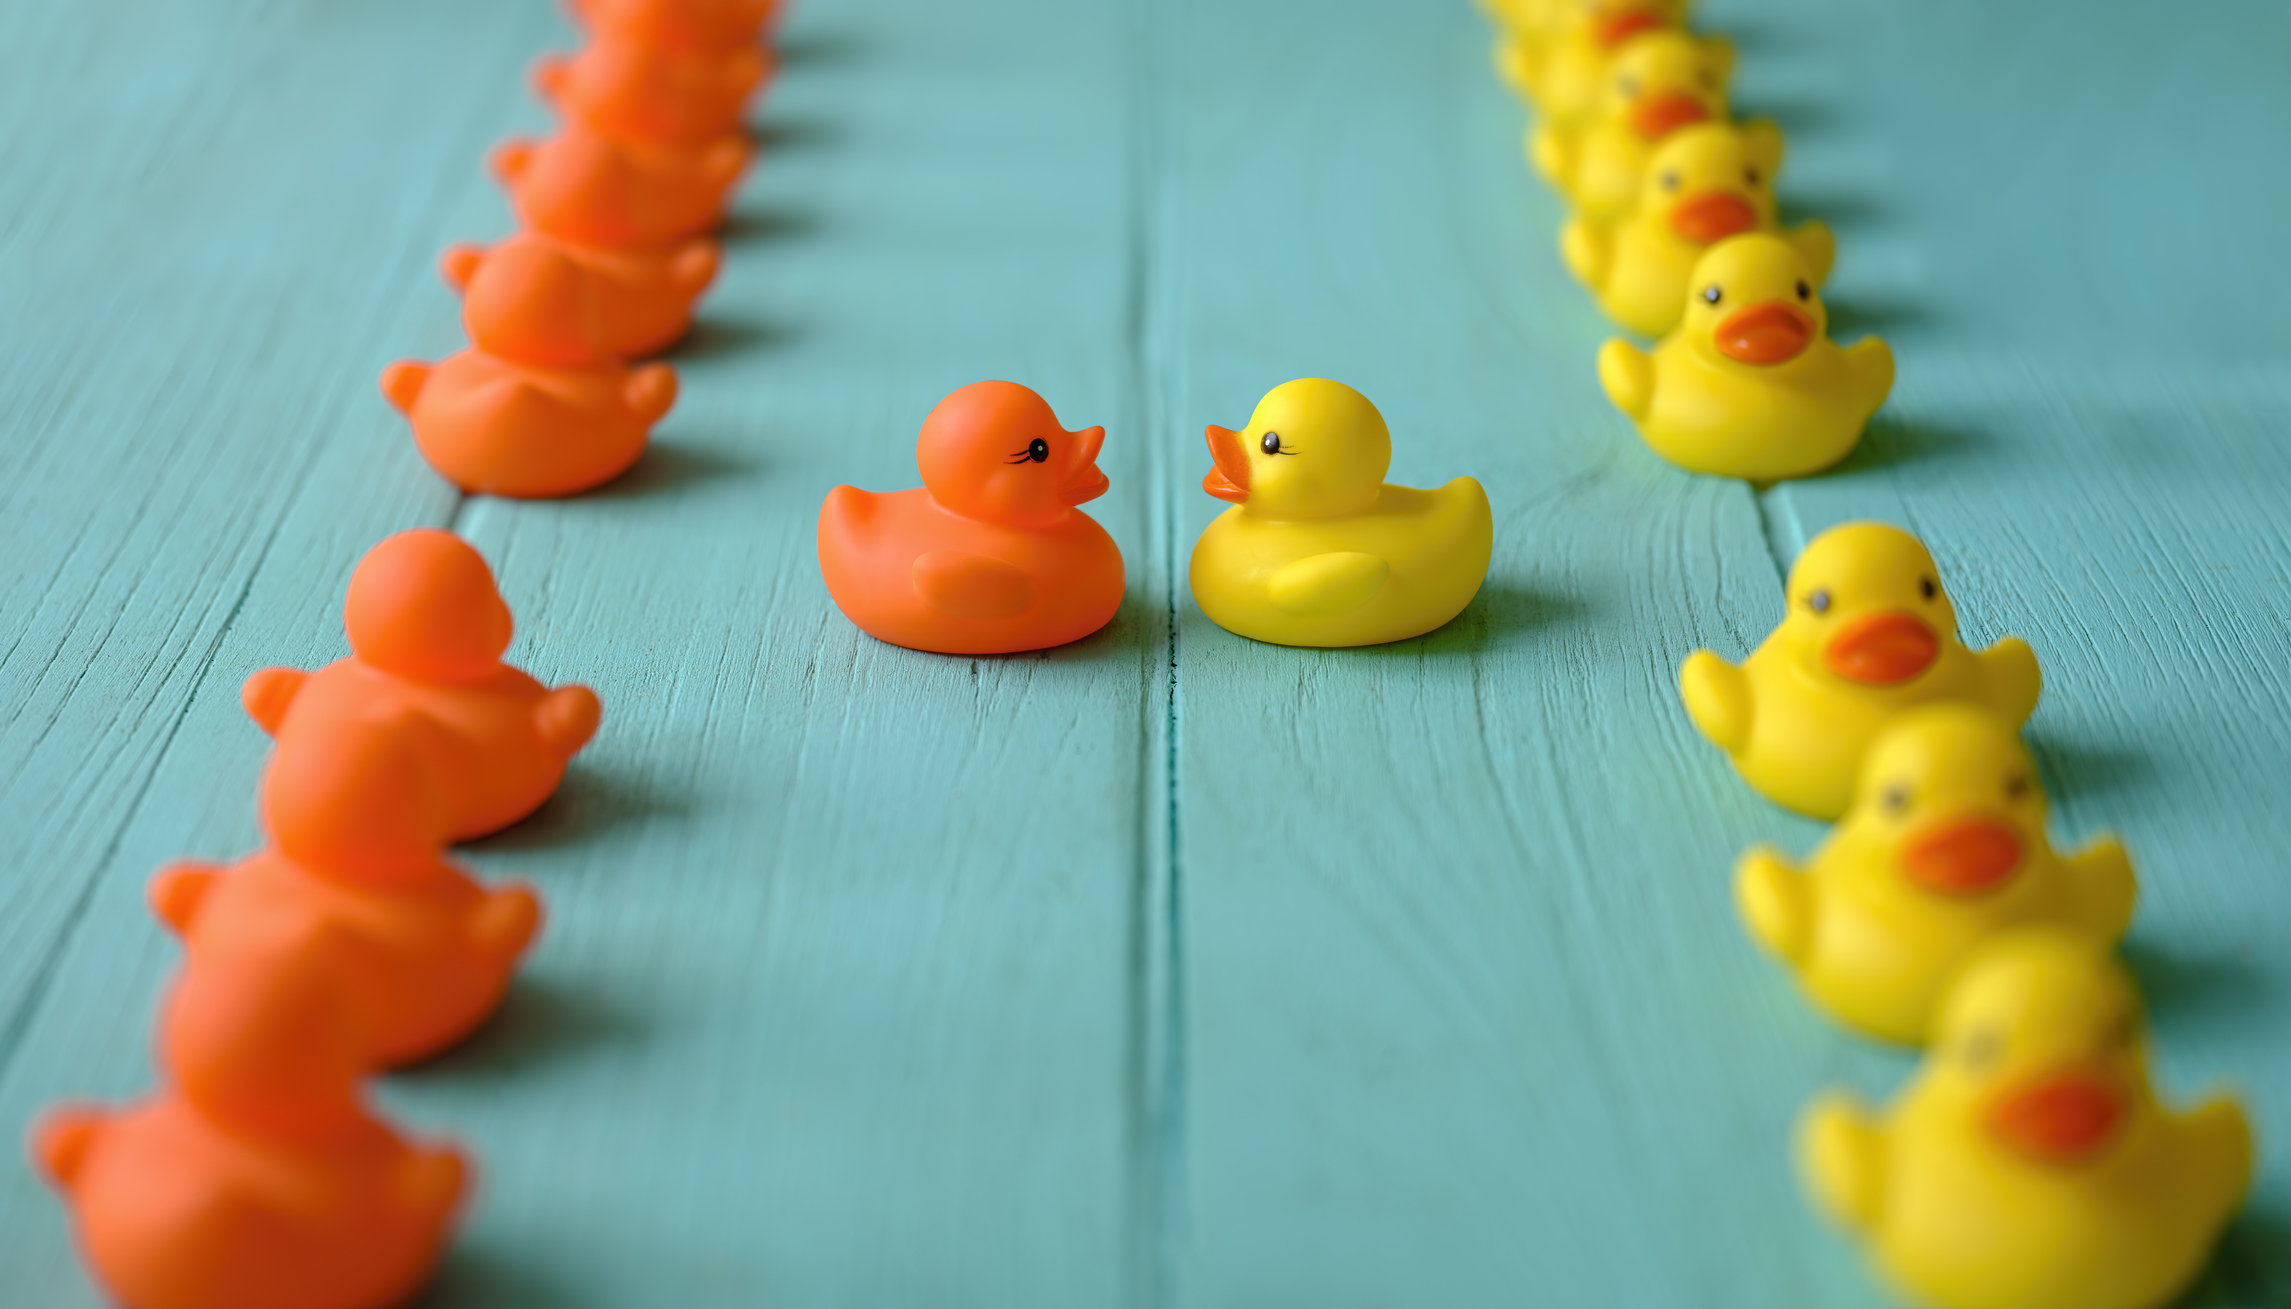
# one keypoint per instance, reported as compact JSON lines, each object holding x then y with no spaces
{"x":259,"y":1176}
{"x":2029,"y":1165}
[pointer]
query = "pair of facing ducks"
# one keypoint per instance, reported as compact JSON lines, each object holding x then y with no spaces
{"x":2029,"y":1164}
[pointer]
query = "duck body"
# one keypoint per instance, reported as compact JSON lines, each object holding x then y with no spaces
{"x":906,"y":570}
{"x":1318,"y":549}
{"x":493,"y":426}
{"x":599,"y":190}
{"x":1944,"y":849}
{"x":174,"y":1211}
{"x":1398,"y":569}
{"x":1870,"y":634}
{"x":624,"y":88}
{"x":2028,"y":1165}
{"x":542,"y":300}
{"x":708,"y":27}
{"x":990,"y":555}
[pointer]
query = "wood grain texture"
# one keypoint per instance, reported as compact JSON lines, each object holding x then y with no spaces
{"x":1166,"y":969}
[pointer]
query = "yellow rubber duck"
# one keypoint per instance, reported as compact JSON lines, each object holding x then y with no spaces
{"x":2028,"y":1164}
{"x":1562,"y":68}
{"x":1318,"y":550}
{"x":1869,"y":634}
{"x":1749,"y":384}
{"x":1658,"y":82}
{"x":1944,"y":848}
{"x":1704,"y":183}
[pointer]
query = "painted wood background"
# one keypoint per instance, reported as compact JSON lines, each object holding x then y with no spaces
{"x":1164,"y":969}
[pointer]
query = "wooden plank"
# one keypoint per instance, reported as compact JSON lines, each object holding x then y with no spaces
{"x":217,"y":225}
{"x":1468,"y":1019}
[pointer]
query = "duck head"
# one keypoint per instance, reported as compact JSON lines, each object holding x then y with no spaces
{"x":1751,"y":303}
{"x":2038,"y":1053}
{"x":1950,"y":791}
{"x":422,"y":604}
{"x":1313,"y":449}
{"x":994,"y":451}
{"x":1610,"y":24}
{"x":1709,"y":181}
{"x":1660,"y":81}
{"x":532,"y":302}
{"x":364,"y":802}
{"x":1866,"y":608}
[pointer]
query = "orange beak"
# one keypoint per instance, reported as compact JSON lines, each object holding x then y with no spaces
{"x":1763,"y":335}
{"x":1657,"y":116}
{"x":1616,"y":26}
{"x":2059,"y":1119}
{"x":1086,"y":482}
{"x":1229,"y":480}
{"x":1712,"y":216}
{"x":1966,"y":858}
{"x":1883,"y":649}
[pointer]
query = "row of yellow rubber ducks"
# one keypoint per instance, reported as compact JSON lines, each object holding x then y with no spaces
{"x":2028,"y":1164}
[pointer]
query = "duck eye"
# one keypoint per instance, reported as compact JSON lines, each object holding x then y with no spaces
{"x":1670,"y":179}
{"x":1927,"y":588}
{"x":1711,"y":295}
{"x":2121,"y":1031}
{"x":1805,"y":292}
{"x":1819,"y":602}
{"x":1981,"y":1048}
{"x":1271,"y":444}
{"x":1895,"y":798}
{"x":2016,"y":786}
{"x":1627,"y":84}
{"x":1038,"y":451}
{"x":1750,"y":175}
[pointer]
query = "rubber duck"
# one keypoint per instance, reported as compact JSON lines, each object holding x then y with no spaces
{"x":1749,"y":384}
{"x":1564,"y":73}
{"x":175,"y":1211}
{"x":583,"y":186}
{"x":1943,"y":849}
{"x":2028,"y":1164}
{"x":678,"y":26}
{"x":624,"y":88}
{"x":1318,"y":549}
{"x":353,"y":898}
{"x":427,"y":629}
{"x":1869,"y":633}
{"x":494,"y":426}
{"x":990,"y":555}
{"x":540,"y":300}
{"x":1658,"y":82}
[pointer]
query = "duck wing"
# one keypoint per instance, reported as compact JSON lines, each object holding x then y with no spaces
{"x":1325,"y":585}
{"x":964,"y":585}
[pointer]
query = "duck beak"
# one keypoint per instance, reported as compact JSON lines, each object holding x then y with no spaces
{"x":1709,"y":217}
{"x":1762,"y":335}
{"x":1654,"y":117}
{"x":1969,"y":857}
{"x":1883,"y":649}
{"x":1229,"y":480}
{"x":1086,"y":482}
{"x":1616,"y":26}
{"x":2060,"y":1119}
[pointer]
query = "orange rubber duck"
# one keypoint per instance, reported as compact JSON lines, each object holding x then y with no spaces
{"x":989,"y":555}
{"x":682,"y":26}
{"x":540,"y":300}
{"x":353,"y":900}
{"x":174,"y":1210}
{"x":494,"y":426}
{"x":623,"y":88}
{"x":427,"y":630}
{"x":582,"y":186}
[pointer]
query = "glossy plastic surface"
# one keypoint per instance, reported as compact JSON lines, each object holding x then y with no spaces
{"x":1870,"y":633}
{"x":625,"y":87}
{"x":1749,"y":384}
{"x":493,"y":426}
{"x":537,"y":299}
{"x":990,"y":555}
{"x":600,"y":190}
{"x":1704,"y":183}
{"x":679,"y":26}
{"x":1659,"y":82}
{"x":1944,"y":848}
{"x":1318,"y":549}
{"x":174,"y":1211}
{"x":2029,"y":1165}
{"x":427,"y":630}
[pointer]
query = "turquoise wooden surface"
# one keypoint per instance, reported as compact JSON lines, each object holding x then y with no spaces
{"x":1164,"y":969}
